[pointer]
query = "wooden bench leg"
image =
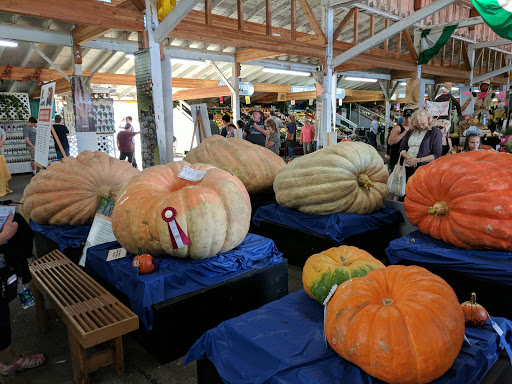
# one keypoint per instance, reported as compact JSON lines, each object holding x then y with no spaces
{"x":117,"y":355}
{"x":41,"y":313}
{"x":78,"y":360}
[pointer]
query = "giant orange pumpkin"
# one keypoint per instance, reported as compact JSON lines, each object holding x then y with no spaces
{"x":335,"y":266}
{"x":254,"y":165}
{"x":399,"y":324}
{"x":214,"y":212}
{"x":68,"y":191}
{"x":464,"y":200}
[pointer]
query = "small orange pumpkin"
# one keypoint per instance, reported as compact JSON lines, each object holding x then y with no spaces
{"x":145,"y":263}
{"x":474,"y":314}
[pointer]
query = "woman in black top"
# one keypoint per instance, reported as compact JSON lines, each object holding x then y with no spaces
{"x":395,"y":136}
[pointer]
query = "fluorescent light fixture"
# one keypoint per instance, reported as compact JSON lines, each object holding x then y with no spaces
{"x":130,"y":56}
{"x":403,"y":83}
{"x":361,"y":79}
{"x":187,"y":61}
{"x":455,"y":88}
{"x":8,"y":43}
{"x":286,"y":72}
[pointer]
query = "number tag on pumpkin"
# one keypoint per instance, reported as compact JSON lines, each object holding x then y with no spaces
{"x":115,"y":254}
{"x":191,"y":174}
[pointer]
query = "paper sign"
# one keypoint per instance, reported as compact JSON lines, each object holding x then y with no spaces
{"x":281,"y":97}
{"x":437,"y":109}
{"x":247,"y":99}
{"x":221,"y":99}
{"x":101,"y":229}
{"x":115,"y":254}
{"x":340,"y":102}
{"x":310,"y":101}
{"x":44,"y":124}
{"x":191,"y":174}
{"x":292,"y":102}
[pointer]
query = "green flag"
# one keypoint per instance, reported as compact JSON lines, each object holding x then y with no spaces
{"x":432,"y":41}
{"x":497,"y":14}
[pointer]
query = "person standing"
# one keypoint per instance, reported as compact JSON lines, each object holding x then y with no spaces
{"x":214,"y":128}
{"x":306,"y":137}
{"x":374,"y":130}
{"x":395,"y":136}
{"x":254,"y":130}
{"x":62,"y":133}
{"x":279,"y":123}
{"x":29,"y":133}
{"x":291,"y":136}
{"x":226,"y":120}
{"x":125,"y":143}
{"x":272,"y":137}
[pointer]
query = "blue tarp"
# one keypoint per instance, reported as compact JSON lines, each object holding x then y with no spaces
{"x":173,"y":277}
{"x":66,"y":236}
{"x":337,"y":226}
{"x":421,"y":248}
{"x":282,"y":342}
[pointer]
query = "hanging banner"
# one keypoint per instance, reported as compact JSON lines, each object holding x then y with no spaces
{"x":436,"y":109}
{"x":85,"y":122}
{"x":467,"y":101}
{"x":44,"y":124}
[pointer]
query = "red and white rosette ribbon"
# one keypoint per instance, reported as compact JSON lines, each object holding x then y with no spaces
{"x":178,"y":238}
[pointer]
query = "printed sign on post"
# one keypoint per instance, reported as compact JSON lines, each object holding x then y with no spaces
{"x":44,"y":124}
{"x":191,"y":174}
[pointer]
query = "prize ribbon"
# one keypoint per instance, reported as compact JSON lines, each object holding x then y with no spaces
{"x":178,"y":238}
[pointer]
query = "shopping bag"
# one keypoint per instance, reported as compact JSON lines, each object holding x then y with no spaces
{"x":397,"y":179}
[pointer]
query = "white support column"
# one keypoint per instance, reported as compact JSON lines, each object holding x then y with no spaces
{"x":471,"y":55}
{"x":326,"y":98}
{"x":168,"y":107}
{"x":235,"y":97}
{"x":156,"y":77}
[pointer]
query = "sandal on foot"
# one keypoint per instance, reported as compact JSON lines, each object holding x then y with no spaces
{"x":24,"y":362}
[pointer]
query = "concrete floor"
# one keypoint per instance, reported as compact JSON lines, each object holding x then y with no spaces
{"x":141,"y":367}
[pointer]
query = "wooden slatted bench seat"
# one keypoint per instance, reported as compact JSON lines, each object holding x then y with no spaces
{"x":91,"y":313}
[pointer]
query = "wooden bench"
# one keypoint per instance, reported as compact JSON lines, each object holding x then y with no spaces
{"x":91,"y":313}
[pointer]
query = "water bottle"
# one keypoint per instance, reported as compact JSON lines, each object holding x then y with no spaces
{"x":25,"y":294}
{"x":484,"y":119}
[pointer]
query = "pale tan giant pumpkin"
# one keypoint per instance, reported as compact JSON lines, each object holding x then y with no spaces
{"x":253,"y":164}
{"x":68,"y":191}
{"x":214,"y":212}
{"x":346,"y":177}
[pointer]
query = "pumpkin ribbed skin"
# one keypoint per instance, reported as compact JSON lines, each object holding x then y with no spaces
{"x":253,"y":164}
{"x":399,"y":324}
{"x":68,"y":191}
{"x":464,"y":200}
{"x":335,"y":266}
{"x":214,"y":212}
{"x":347,"y":177}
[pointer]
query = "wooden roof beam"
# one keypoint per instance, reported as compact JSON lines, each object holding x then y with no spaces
{"x":343,"y":23}
{"x":78,"y":12}
{"x":312,"y":20}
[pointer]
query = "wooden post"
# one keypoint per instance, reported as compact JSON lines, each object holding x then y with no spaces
{"x":386,"y":25}
{"x":208,"y":11}
{"x":399,"y":45}
{"x":372,"y":27}
{"x":240,"y":13}
{"x":77,"y":54}
{"x":452,"y":52}
{"x":356,"y":24}
{"x":293,"y":19}
{"x":268,"y":17}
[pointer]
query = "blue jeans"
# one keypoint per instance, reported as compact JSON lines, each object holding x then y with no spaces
{"x":290,"y":144}
{"x":59,"y":153}
{"x":373,"y":140}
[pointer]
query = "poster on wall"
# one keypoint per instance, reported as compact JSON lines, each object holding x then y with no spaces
{"x":85,"y":124}
{"x":467,"y":101}
{"x":44,"y":124}
{"x":103,"y":110}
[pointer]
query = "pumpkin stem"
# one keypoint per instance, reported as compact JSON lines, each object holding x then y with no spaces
{"x":387,"y":301}
{"x":473,"y":298}
{"x":439,"y":209}
{"x":364,"y":181}
{"x":104,"y":191}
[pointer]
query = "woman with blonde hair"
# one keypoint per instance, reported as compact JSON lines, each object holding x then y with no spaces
{"x":422,"y":143}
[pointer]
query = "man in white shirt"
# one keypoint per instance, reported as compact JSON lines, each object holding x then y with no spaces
{"x":279,"y":123}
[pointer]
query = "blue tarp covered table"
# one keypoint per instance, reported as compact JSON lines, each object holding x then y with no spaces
{"x":418,"y":247}
{"x":173,"y":277}
{"x":337,"y":226}
{"x":66,"y":236}
{"x":282,"y":343}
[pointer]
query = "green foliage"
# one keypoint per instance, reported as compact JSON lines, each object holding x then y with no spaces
{"x":7,"y":102}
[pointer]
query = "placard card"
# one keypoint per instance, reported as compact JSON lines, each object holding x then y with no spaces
{"x":116,"y":254}
{"x":437,"y":109}
{"x":101,"y":229}
{"x":191,"y":174}
{"x":44,"y":124}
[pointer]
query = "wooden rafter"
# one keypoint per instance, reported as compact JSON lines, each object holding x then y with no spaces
{"x":343,"y":23}
{"x":208,"y":12}
{"x":356,"y":26}
{"x":139,"y":4}
{"x":268,"y":17}
{"x":293,"y":28}
{"x":240,"y":14}
{"x":386,"y":26}
{"x":78,"y":12}
{"x":312,"y":20}
{"x":410,"y":45}
{"x":399,"y":45}
{"x":465,"y":57}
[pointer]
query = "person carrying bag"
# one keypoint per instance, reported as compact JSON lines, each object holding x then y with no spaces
{"x":397,"y":179}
